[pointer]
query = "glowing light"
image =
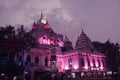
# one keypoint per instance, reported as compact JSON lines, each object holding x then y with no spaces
{"x":43,"y":21}
{"x":82,"y":74}
{"x":48,"y":42}
{"x":75,"y":67}
{"x":96,"y":65}
{"x":109,"y":72}
{"x":101,"y":68}
{"x":15,"y":78}
{"x":73,"y":75}
{"x":86,"y":67}
{"x":60,"y":43}
{"x":2,"y":74}
{"x":91,"y":65}
{"x":52,"y":41}
{"x":47,"y":26}
{"x":26,"y":72}
{"x":66,"y":68}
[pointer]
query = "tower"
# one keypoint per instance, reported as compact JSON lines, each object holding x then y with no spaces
{"x":84,"y":43}
{"x":67,"y":44}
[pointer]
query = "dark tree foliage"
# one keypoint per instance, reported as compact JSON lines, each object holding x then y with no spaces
{"x":111,"y":50}
{"x":26,"y":37}
{"x":8,"y":33}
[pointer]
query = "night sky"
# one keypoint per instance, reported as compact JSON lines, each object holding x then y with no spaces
{"x":100,"y":19}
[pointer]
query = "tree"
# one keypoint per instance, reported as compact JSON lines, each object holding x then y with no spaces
{"x":111,"y":50}
{"x":7,"y":32}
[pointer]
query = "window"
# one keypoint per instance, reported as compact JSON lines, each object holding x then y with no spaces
{"x":103,"y":61}
{"x":88,"y":60}
{"x":82,"y":61}
{"x":93,"y":62}
{"x":28,"y":59}
{"x":36,"y":59}
{"x":46,"y":61}
{"x":70,"y":62}
{"x":99,"y":62}
{"x":20,"y":60}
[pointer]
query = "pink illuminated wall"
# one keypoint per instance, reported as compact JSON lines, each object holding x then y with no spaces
{"x":93,"y":65}
{"x":65,"y":60}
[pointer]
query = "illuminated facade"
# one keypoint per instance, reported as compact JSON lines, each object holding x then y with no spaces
{"x":54,"y":52}
{"x":83,"y":58}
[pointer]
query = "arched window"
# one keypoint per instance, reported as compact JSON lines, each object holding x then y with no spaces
{"x":70,"y":62}
{"x":46,"y":61}
{"x":103,"y":61}
{"x":88,"y":60}
{"x":82,"y":61}
{"x":93,"y":60}
{"x":52,"y":41}
{"x":36,"y":59}
{"x":28,"y":59}
{"x":98,"y":62}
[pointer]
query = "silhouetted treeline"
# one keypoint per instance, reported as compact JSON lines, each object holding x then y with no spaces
{"x":10,"y":35}
{"x":20,"y":34}
{"x":112,"y":51}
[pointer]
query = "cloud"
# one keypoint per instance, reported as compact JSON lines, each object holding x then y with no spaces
{"x":100,"y":19}
{"x":23,"y":11}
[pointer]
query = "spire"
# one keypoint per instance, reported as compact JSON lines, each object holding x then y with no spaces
{"x":67,"y":44}
{"x":82,"y":32}
{"x":84,"y":43}
{"x":66,"y":38}
{"x":41,"y":16}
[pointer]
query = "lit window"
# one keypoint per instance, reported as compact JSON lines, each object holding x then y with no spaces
{"x":70,"y":62}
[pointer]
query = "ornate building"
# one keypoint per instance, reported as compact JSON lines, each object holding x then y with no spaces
{"x":84,"y":58}
{"x":54,"y":53}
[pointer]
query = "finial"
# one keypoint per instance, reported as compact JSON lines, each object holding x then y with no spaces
{"x":41,"y":15}
{"x":82,"y":30}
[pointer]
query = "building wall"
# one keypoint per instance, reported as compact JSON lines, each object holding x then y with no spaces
{"x":41,"y":54}
{"x":91,"y":62}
